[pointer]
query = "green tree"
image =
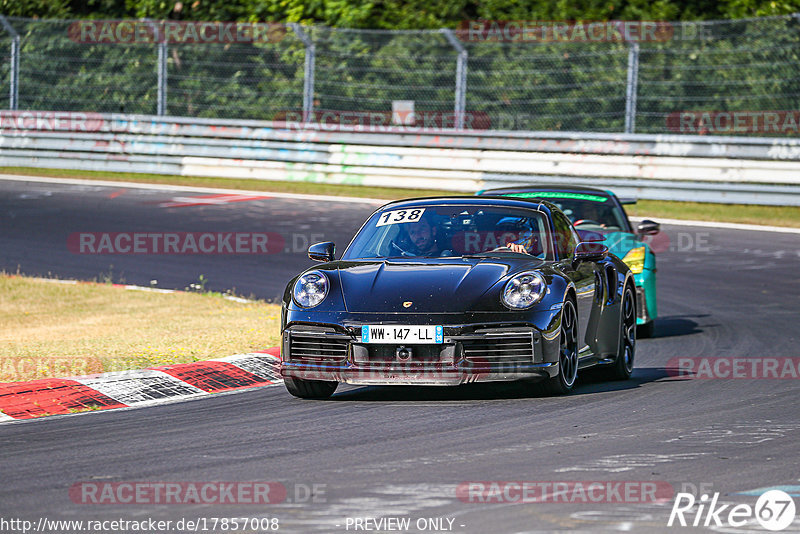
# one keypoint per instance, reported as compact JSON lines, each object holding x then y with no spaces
{"x":35,"y":8}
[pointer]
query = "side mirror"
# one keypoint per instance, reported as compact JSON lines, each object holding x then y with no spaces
{"x":648,"y":227}
{"x":588,"y":236}
{"x":590,"y":252}
{"x":322,"y":251}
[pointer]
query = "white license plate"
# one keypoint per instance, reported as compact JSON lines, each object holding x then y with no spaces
{"x":401,"y":334}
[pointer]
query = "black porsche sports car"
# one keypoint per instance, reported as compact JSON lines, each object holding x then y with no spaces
{"x":451,"y":290}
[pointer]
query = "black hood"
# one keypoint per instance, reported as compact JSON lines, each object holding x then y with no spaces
{"x":430,"y":285}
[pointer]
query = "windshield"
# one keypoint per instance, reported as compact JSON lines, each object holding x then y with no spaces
{"x":589,"y":211}
{"x":452,"y":231}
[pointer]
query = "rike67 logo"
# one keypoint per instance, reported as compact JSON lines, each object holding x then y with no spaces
{"x":774,"y":510}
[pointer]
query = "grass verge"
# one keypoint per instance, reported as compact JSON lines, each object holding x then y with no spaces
{"x":701,"y":211}
{"x":736,"y":213}
{"x":50,"y":329}
{"x":306,"y":188}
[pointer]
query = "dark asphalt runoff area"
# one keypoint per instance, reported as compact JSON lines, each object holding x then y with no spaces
{"x":374,"y":453}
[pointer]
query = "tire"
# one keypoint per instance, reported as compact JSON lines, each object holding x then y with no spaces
{"x":310,"y":389}
{"x":564,"y":381}
{"x":646,"y":329}
{"x":622,"y":367}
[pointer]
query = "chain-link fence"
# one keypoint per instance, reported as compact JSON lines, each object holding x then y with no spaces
{"x":503,"y":83}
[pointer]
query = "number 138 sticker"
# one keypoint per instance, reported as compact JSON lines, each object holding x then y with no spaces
{"x":400,"y":216}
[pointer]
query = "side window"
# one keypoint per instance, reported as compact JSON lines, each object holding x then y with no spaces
{"x":565,"y":237}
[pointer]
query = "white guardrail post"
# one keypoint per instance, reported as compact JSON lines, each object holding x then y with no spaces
{"x":632,"y":87}
{"x":161,"y":68}
{"x":162,"y":78}
{"x":460,"y":104}
{"x":308,"y":71}
{"x":13,"y":97}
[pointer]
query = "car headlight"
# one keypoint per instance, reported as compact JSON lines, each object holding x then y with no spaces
{"x":523,"y":291}
{"x":635,"y":260}
{"x":310,"y":289}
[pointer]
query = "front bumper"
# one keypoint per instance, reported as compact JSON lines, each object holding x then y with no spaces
{"x":646,"y":306}
{"x":468,"y":354}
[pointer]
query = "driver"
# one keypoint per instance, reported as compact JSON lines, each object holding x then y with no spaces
{"x":420,"y":239}
{"x":423,"y":238}
{"x":593,"y":213}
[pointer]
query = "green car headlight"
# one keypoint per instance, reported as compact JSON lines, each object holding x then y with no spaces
{"x":635,"y":259}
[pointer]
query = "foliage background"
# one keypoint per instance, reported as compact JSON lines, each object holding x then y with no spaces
{"x":745,"y":64}
{"x":395,"y":14}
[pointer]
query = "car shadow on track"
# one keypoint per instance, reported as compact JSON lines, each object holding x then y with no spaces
{"x":678,"y":325}
{"x":589,"y":383}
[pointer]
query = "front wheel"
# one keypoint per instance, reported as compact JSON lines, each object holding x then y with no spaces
{"x":623,"y":366}
{"x":310,"y":389}
{"x":568,"y":353}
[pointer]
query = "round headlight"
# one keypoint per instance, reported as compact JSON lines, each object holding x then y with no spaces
{"x":310,"y":289}
{"x":523,"y":291}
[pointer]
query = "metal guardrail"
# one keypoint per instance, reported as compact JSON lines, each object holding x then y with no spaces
{"x":610,"y":76}
{"x":689,"y":168}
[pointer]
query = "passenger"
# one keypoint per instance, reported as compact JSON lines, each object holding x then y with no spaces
{"x":518,"y":237}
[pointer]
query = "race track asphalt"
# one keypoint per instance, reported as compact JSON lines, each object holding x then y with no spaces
{"x":404,"y":451}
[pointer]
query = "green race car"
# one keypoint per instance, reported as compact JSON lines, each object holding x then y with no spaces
{"x":601,"y":211}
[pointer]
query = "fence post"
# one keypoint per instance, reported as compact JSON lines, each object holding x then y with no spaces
{"x":13,"y":96}
{"x":632,"y":87}
{"x":308,"y":72}
{"x":162,"y":78}
{"x":461,"y":78}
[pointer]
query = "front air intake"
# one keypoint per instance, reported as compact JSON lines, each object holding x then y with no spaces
{"x":317,"y":345}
